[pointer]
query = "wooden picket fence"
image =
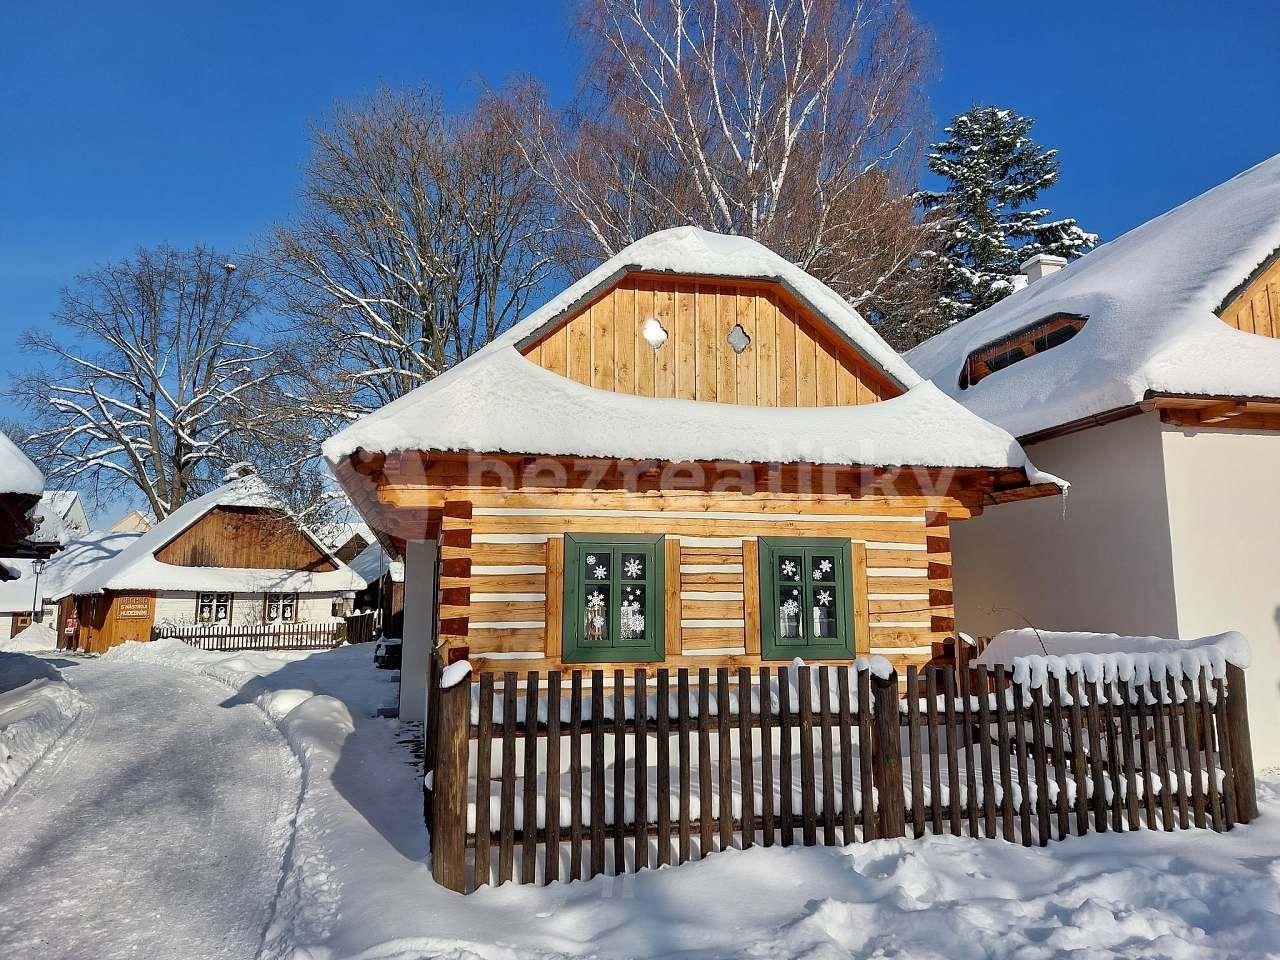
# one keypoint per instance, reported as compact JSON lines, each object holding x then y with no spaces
{"x":277,"y":636}
{"x":561,"y":776}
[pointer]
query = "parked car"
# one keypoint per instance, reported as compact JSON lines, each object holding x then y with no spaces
{"x":386,"y":654}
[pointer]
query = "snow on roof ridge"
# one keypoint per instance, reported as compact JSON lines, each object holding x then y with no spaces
{"x":679,"y":250}
{"x":136,"y":565}
{"x":17,"y":473}
{"x":1149,"y":296}
{"x":533,"y":411}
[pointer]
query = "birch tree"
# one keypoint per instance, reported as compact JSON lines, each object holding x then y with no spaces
{"x":797,"y":122}
{"x":420,"y":239}
{"x":152,"y":379}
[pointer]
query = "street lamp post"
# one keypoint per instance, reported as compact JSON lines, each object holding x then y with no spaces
{"x":37,"y":608}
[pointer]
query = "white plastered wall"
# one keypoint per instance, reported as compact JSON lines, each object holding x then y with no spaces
{"x":1226,"y":554}
{"x":1100,"y":561}
{"x":179,"y":607}
{"x":419,"y":626}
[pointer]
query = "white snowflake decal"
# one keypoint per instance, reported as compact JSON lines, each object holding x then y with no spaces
{"x":595,"y":599}
{"x":632,"y":619}
{"x":788,"y":568}
{"x":824,"y":597}
{"x":591,"y":559}
{"x":791,"y":607}
{"x":597,"y":622}
{"x":601,"y":572}
{"x":634,"y":567}
{"x":824,"y":565}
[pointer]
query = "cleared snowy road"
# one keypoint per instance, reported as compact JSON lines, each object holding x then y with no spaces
{"x":155,"y":829}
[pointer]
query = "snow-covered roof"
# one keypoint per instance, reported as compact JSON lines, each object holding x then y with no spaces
{"x":137,"y":568}
{"x":373,"y":562}
{"x":74,"y":561}
{"x":61,"y":517}
{"x":1150,"y":298}
{"x":339,"y":534}
{"x":17,"y":473}
{"x":135,"y":521}
{"x":497,"y":401}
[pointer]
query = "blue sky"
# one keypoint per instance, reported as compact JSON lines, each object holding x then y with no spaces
{"x":130,"y":123}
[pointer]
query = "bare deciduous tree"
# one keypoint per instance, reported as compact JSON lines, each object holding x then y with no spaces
{"x":147,"y":380}
{"x":796,"y":122}
{"x":420,"y":240}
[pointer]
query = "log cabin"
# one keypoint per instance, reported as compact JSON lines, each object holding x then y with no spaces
{"x":231,"y":558}
{"x":21,"y":485}
{"x":697,"y":455}
{"x":1148,"y":372}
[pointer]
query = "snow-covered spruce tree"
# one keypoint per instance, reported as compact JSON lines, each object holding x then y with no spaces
{"x":994,"y":173}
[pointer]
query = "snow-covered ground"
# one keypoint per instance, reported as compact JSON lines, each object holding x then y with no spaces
{"x":156,"y":827}
{"x":354,"y":882}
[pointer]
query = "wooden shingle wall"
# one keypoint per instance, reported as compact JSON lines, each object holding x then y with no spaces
{"x":791,"y":359}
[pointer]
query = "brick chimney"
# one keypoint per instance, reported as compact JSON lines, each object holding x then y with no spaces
{"x":1041,"y":265}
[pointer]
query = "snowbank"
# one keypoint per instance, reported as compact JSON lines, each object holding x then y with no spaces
{"x":37,"y":638}
{"x":36,"y":708}
{"x":1035,"y":655}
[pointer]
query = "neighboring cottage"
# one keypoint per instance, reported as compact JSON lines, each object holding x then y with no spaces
{"x":233,"y":557}
{"x":1148,"y":373}
{"x":21,"y":485}
{"x":27,"y":592}
{"x":348,"y":540}
{"x":60,"y":518}
{"x":698,"y":455}
{"x":135,"y":521}
{"x":385,"y":592}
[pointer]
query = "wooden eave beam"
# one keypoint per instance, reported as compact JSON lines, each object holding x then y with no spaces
{"x":1222,"y":412}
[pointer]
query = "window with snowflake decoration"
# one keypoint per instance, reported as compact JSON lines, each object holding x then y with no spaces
{"x":805,"y":587}
{"x":613,"y":601}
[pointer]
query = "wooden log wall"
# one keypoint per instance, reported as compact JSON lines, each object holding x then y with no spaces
{"x":502,"y":575}
{"x":245,"y":538}
{"x":792,"y":359}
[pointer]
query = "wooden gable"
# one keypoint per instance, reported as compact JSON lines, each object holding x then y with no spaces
{"x":246,"y":538}
{"x":1255,"y":308}
{"x":793,"y":358}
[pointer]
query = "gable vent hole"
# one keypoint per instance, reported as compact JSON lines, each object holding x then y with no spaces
{"x":738,"y":338}
{"x":654,"y":333}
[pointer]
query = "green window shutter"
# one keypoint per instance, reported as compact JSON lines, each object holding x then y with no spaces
{"x":613,"y":598}
{"x":806,"y":598}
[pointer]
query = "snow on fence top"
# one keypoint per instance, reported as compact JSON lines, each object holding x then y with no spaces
{"x":17,"y":473}
{"x":135,"y":567}
{"x":1035,"y":655}
{"x":1150,"y":298}
{"x":499,"y":402}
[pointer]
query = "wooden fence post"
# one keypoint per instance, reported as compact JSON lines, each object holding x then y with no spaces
{"x":1241,"y":750}
{"x":449,"y":785}
{"x":888,"y":756}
